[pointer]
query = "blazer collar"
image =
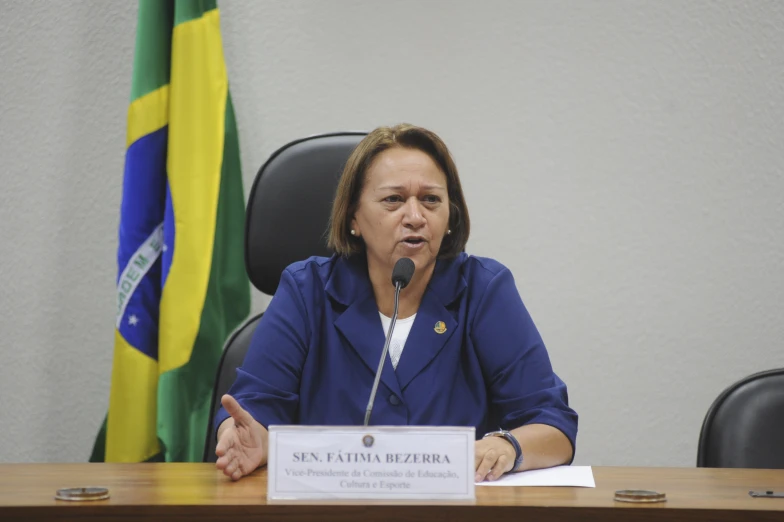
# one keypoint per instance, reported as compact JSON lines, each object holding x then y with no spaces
{"x":360,"y":324}
{"x":349,"y":280}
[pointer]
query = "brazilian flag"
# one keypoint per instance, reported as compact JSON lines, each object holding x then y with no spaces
{"x":181,"y":286}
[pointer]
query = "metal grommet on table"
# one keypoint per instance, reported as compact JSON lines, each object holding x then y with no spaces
{"x":639,"y":495}
{"x":82,"y":494}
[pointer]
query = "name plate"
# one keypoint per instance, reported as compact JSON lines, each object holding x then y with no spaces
{"x":370,"y":463}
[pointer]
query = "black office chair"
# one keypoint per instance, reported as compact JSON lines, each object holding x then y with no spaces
{"x":286,"y":221}
{"x":744,"y":428}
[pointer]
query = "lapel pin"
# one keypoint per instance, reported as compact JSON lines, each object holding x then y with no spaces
{"x":440,"y":327}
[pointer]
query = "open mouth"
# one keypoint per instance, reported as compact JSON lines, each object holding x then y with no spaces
{"x":414,"y":241}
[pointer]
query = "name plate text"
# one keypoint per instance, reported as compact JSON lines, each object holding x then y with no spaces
{"x":371,"y":463}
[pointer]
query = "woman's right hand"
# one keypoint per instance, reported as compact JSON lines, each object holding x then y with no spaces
{"x":242,"y":441}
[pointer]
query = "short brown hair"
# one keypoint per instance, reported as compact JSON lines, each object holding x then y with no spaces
{"x":353,"y":179}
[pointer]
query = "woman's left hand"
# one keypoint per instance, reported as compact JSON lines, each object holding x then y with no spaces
{"x":494,"y":456}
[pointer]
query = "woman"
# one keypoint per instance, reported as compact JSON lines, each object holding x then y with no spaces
{"x":465,"y":351}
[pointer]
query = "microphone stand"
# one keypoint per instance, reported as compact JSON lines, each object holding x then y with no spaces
{"x":398,"y":286}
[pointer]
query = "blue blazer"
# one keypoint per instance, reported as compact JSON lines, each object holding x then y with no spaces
{"x":315,"y":351}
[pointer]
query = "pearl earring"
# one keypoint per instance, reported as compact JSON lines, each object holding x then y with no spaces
{"x":448,"y":231}
{"x":353,"y":232}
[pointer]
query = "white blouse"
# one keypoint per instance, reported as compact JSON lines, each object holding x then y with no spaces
{"x":399,"y":336}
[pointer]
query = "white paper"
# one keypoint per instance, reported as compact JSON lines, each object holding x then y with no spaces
{"x":579,"y":476}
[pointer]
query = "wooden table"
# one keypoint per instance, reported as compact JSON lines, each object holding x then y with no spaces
{"x":199,"y":492}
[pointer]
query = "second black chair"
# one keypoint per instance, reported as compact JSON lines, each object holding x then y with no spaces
{"x":744,"y":428}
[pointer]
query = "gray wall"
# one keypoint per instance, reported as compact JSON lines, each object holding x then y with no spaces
{"x":622,"y":158}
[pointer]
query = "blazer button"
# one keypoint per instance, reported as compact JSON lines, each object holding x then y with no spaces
{"x":394,"y":400}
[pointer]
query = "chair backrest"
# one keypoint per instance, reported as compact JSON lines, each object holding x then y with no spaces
{"x":744,"y":428}
{"x":286,"y":221}
{"x":290,"y":204}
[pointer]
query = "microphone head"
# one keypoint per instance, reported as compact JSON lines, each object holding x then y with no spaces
{"x":403,"y":272}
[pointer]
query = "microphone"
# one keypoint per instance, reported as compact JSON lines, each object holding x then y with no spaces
{"x":401,"y":276}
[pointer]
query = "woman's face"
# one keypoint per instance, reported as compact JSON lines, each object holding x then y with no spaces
{"x":403,"y":209}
